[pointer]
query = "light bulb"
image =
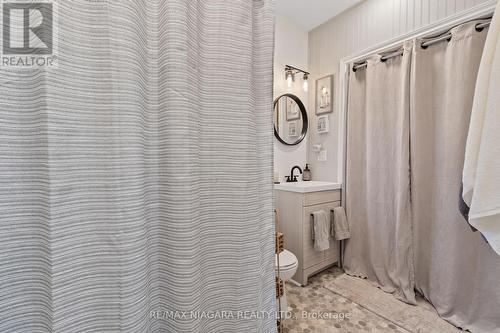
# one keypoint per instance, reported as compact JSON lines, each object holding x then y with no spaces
{"x":305,"y":85}
{"x":289,"y":78}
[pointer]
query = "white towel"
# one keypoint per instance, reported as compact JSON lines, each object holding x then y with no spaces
{"x":481,"y":174}
{"x":321,"y":231}
{"x":340,"y":226}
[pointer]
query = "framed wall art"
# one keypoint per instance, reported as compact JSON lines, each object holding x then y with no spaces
{"x":323,"y":124}
{"x":324,"y":95}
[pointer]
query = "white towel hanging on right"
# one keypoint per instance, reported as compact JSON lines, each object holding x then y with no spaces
{"x":481,"y":174}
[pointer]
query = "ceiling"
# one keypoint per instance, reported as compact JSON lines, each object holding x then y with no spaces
{"x":310,"y":13}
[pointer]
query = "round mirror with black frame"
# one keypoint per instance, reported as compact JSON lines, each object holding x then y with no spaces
{"x":290,"y":120}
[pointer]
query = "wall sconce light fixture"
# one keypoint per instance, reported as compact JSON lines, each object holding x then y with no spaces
{"x":290,"y":73}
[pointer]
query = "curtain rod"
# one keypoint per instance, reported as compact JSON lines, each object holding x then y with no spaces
{"x":479,"y":27}
{"x":424,"y":45}
{"x":383,"y":58}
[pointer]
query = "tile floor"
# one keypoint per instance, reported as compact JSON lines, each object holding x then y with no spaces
{"x":323,"y":306}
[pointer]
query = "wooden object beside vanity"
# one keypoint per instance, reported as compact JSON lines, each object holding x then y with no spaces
{"x":294,"y":210}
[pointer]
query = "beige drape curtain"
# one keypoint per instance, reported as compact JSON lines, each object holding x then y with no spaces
{"x":378,"y":178}
{"x":408,"y":119}
{"x":455,"y":268}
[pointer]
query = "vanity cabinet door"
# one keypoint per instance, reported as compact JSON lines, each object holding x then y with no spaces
{"x":310,"y":255}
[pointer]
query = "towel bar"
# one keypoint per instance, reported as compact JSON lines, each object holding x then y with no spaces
{"x":332,"y":217}
{"x":312,"y":227}
{"x":331,"y":225}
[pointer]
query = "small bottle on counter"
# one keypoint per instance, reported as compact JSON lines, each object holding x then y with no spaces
{"x":306,"y":176}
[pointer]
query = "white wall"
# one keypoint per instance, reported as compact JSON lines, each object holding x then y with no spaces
{"x":363,"y":26}
{"x":291,"y":48}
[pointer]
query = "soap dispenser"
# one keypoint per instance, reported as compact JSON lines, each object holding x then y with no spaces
{"x":306,"y":175}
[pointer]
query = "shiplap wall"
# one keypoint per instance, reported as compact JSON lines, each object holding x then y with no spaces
{"x":365,"y":25}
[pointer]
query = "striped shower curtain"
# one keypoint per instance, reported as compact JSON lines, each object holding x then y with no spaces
{"x":125,"y":195}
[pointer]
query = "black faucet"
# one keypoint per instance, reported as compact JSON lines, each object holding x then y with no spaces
{"x":292,"y":178}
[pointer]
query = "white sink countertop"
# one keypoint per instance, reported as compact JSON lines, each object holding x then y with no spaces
{"x":307,"y":187}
